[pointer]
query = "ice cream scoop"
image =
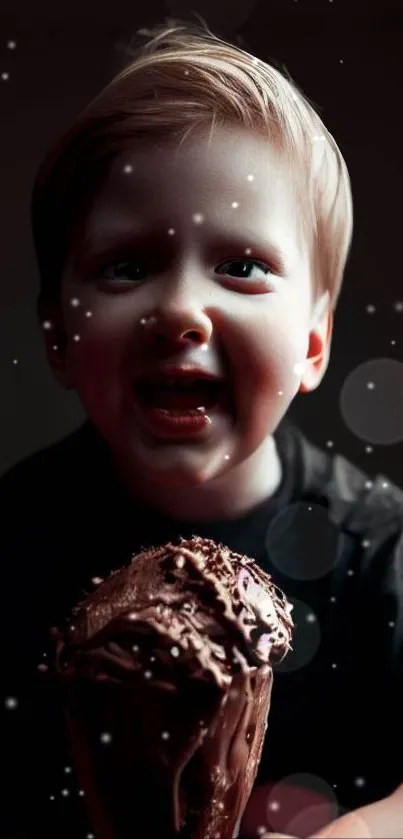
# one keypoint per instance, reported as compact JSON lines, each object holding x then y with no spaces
{"x":168,"y":673}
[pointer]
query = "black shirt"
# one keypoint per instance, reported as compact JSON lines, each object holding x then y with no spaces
{"x":332,"y":540}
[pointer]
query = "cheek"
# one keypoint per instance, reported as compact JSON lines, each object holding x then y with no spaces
{"x":99,"y":341}
{"x":266,"y":349}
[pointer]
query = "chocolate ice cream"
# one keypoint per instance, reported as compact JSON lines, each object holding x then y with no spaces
{"x":168,"y":671}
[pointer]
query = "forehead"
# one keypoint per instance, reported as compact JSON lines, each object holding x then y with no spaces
{"x":229,"y":177}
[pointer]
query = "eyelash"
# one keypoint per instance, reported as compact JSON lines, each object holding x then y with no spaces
{"x":250,"y":262}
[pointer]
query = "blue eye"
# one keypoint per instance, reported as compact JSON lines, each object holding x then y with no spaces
{"x":129,"y":270}
{"x":245,"y":266}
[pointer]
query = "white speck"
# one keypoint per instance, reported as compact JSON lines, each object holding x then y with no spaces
{"x":369,"y":449}
{"x":393,"y":343}
{"x":5,"y":77}
{"x":198,"y":218}
{"x":171,"y":231}
{"x":220,"y":805}
{"x":132,"y":616}
{"x":359,"y":782}
{"x":248,"y":251}
{"x":368,"y":484}
{"x":175,"y":652}
{"x":55,"y":347}
{"x":52,"y":797}
{"x":180,"y":562}
{"x":365,"y":543}
{"x":11,"y":45}
{"x":250,"y":178}
{"x":65,"y":793}
{"x":310,"y":509}
{"x":370,"y":309}
{"x":274,"y":806}
{"x":299,"y":368}
{"x":67,"y":770}
{"x":329,"y":444}
{"x":76,"y":338}
{"x":398,"y":306}
{"x":235,"y":205}
{"x":226,"y":457}
{"x":204,"y":347}
{"x":128,"y":169}
{"x":261,"y":830}
{"x":350,"y":572}
{"x":370,"y":385}
{"x":88,"y":314}
{"x":96,"y":581}
{"x":147,"y":674}
{"x":333,"y":600}
{"x":391,"y":624}
{"x":152,"y":659}
{"x":342,"y":61}
{"x":334,"y":666}
{"x":311,"y":618}
{"x":75,"y":302}
{"x":106,"y":737}
{"x":280,"y":393}
{"x":15,"y":360}
{"x":143,"y":321}
{"x":186,"y":72}
{"x":90,"y":836}
{"x":385,"y":484}
{"x":135,"y":648}
{"x":81,"y":793}
{"x":11,"y":702}
{"x":165,"y":735}
{"x":47,"y":324}
{"x":201,"y":410}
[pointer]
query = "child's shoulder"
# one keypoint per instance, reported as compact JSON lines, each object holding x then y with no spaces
{"x":359,"y":503}
{"x":46,"y":470}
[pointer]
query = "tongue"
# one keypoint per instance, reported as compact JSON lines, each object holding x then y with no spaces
{"x":176,"y":398}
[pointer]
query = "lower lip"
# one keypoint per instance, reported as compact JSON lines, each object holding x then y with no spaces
{"x":175,"y":423}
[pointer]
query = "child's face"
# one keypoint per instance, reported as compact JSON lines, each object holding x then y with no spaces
{"x":173,"y":237}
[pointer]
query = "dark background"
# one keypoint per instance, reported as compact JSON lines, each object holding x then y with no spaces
{"x":346,"y":56}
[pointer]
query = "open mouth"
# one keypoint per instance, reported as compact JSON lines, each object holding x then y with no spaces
{"x":182,"y":395}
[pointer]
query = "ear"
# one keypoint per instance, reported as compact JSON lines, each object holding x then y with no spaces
{"x":50,"y":316}
{"x":320,"y":337}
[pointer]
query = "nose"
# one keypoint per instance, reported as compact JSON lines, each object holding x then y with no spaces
{"x":180,"y":324}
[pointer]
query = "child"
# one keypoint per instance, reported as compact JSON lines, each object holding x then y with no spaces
{"x":209,"y":172}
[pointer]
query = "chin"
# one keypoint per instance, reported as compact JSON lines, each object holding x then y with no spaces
{"x":182,"y":470}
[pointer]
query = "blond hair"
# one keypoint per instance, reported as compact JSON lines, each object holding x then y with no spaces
{"x":182,"y":78}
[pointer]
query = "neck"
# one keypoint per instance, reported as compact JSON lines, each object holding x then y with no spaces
{"x":227,"y":497}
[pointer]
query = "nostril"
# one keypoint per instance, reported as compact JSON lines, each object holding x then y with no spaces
{"x":192,"y":335}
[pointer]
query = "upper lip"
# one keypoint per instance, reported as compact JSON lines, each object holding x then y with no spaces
{"x":184,"y":372}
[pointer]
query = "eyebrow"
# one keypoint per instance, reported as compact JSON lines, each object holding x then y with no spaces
{"x":99,"y":243}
